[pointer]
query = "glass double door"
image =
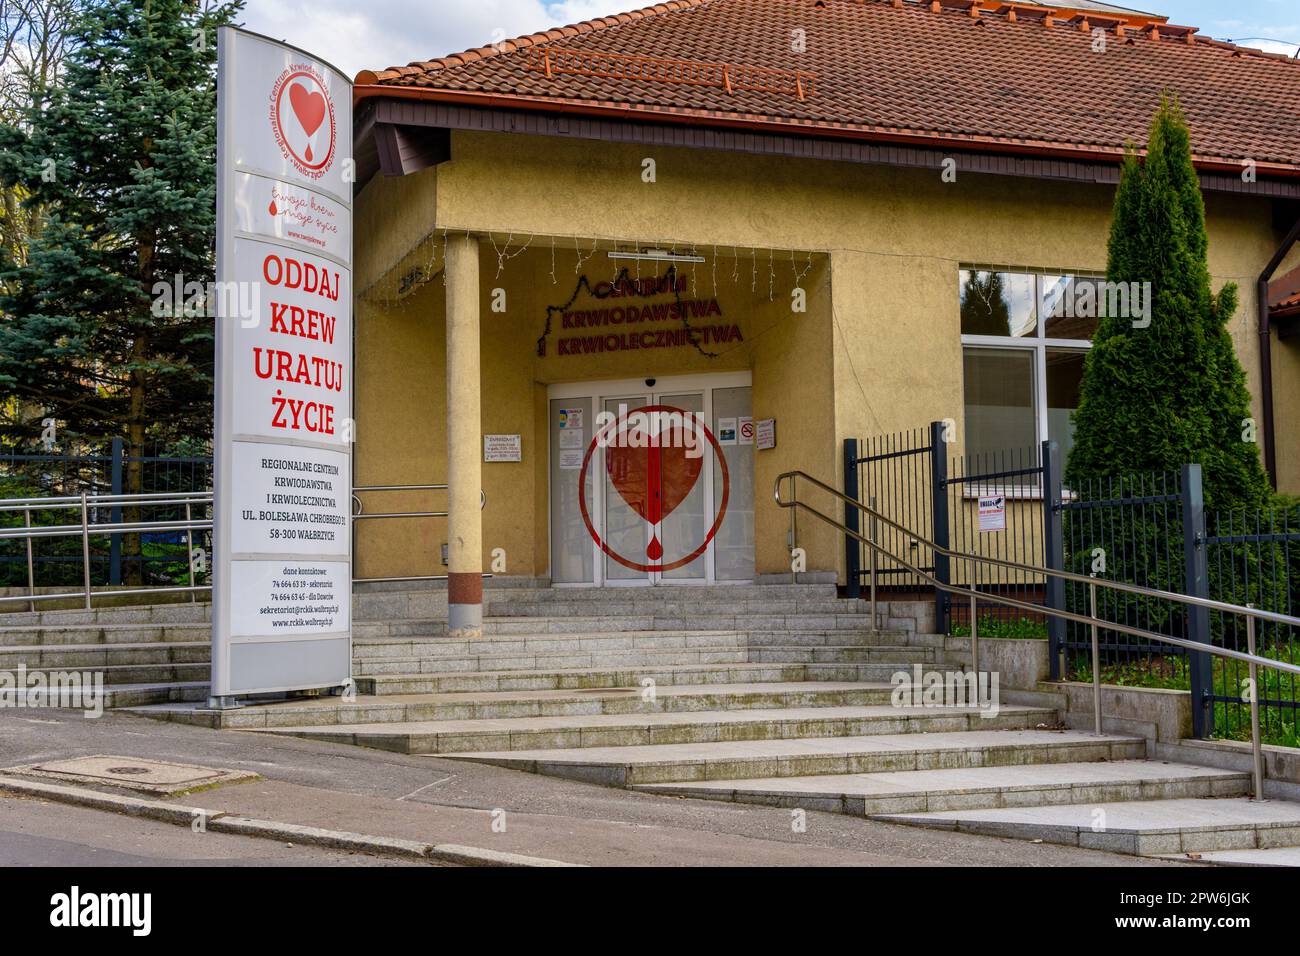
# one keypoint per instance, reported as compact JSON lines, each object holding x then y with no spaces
{"x":664,"y":491}
{"x":655,"y":505}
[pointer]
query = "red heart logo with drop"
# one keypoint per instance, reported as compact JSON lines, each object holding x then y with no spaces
{"x":308,"y":106}
{"x":653,"y":474}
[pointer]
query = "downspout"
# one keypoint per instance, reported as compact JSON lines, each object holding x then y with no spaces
{"x":1266,"y":351}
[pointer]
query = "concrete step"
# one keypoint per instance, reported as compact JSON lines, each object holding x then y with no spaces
{"x":137,"y":695}
{"x":174,"y":613}
{"x":746,"y":759}
{"x":922,"y":791}
{"x":632,"y":730}
{"x":118,"y":675}
{"x":415,"y":646}
{"x":1140,"y":828}
{"x":98,"y":656}
{"x":1273,"y":856}
{"x":412,"y":602}
{"x":543,"y":643}
{"x":898,"y":658}
{"x":123,"y":695}
{"x":619,"y":623}
{"x":691,"y":593}
{"x":560,"y":607}
{"x":587,"y":678}
{"x":56,"y":634}
{"x":683,"y":699}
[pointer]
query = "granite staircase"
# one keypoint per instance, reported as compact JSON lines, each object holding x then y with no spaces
{"x":777,"y":695}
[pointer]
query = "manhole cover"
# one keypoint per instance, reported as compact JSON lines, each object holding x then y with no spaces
{"x":147,"y":776}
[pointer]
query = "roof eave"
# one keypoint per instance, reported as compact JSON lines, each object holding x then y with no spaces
{"x":980,"y":144}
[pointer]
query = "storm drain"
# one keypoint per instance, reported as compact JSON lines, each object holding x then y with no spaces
{"x":132,"y":773}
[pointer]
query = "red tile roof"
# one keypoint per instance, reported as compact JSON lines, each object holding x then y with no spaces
{"x":1284,"y":294}
{"x":1003,"y":76}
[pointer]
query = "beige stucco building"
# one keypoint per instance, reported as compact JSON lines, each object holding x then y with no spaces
{"x":542,"y":237}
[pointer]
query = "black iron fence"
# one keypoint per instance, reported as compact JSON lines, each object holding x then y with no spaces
{"x":1150,"y":530}
{"x":985,"y":505}
{"x":151,"y":558}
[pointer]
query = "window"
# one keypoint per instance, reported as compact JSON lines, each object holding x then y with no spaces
{"x":1023,"y":348}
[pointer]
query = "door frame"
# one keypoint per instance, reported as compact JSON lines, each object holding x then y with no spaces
{"x":598,"y":391}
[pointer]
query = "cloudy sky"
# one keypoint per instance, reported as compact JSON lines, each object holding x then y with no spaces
{"x":372,"y":34}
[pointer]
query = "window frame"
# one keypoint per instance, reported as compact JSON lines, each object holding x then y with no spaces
{"x":1038,"y":343}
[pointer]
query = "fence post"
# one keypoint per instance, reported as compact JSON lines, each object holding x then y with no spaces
{"x":852,"y":547}
{"x":115,"y":540}
{"x":1196,"y":584}
{"x":1053,"y":554}
{"x":939,"y":529}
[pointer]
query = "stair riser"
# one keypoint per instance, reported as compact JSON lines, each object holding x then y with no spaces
{"x":831,"y":656}
{"x":806,"y":765}
{"x":106,"y":656}
{"x":495,"y":662}
{"x":145,"y":615}
{"x":500,"y":710}
{"x":371,"y":657}
{"x":142,"y":673}
{"x":1221,"y":837}
{"x":981,"y":800}
{"x":704,"y":732}
{"x":663,"y":608}
{"x":92,"y":635}
{"x":382,"y":685}
{"x":368,"y":650}
{"x":619,"y":624}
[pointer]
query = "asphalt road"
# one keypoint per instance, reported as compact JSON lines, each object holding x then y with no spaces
{"x":585,"y":823}
{"x":39,"y":833}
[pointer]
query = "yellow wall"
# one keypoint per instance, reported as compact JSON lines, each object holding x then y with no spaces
{"x":878,"y":351}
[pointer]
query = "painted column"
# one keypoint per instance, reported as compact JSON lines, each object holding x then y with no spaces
{"x":464,"y":436}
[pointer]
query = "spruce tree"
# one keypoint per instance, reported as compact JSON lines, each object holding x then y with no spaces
{"x":122,"y":158}
{"x":1173,"y":392}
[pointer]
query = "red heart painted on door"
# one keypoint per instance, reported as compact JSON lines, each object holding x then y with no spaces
{"x":308,"y":106}
{"x":653,"y":475}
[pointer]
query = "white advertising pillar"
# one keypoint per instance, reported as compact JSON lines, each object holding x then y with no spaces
{"x":282,"y":569}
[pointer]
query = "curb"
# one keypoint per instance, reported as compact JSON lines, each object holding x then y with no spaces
{"x":220,"y":821}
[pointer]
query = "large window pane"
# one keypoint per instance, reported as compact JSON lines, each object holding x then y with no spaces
{"x":1064,"y":375}
{"x":1060,"y":306}
{"x":998,"y":303}
{"x":1000,"y":411}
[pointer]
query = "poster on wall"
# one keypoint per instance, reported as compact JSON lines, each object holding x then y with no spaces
{"x":282,"y":562}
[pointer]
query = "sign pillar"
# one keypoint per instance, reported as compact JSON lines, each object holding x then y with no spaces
{"x":282,"y":571}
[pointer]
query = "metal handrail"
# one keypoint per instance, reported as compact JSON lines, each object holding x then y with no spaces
{"x":85,"y":528}
{"x":358,"y":514}
{"x":1091,"y":620}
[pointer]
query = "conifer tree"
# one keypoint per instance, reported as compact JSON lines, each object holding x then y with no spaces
{"x":1171,"y":392}
{"x":122,"y":159}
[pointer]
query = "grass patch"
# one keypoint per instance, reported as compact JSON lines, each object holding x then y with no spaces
{"x":1231,"y":721}
{"x":1021,"y":629}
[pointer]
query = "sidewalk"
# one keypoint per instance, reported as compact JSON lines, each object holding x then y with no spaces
{"x":437,"y":801}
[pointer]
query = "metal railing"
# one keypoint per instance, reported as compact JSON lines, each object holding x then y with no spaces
{"x":1095,"y":624}
{"x":359,"y":514}
{"x":85,"y":529}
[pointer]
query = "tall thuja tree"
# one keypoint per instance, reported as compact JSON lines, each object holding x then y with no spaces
{"x":1156,"y":397}
{"x":121,"y":156}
